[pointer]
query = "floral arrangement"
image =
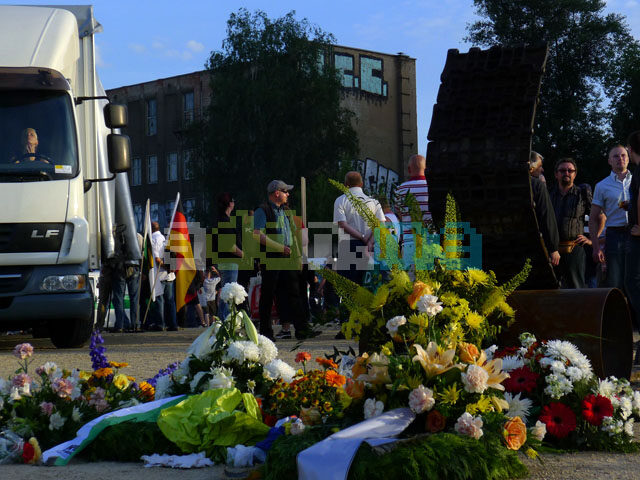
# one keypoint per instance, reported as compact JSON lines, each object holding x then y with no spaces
{"x":553,"y":384}
{"x":316,"y":396}
{"x":230,"y":353}
{"x":50,"y":403}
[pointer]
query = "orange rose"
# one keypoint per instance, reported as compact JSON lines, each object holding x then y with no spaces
{"x":515,"y":433}
{"x":468,"y":352}
{"x":435,"y":422}
{"x":419,"y":289}
{"x":360,"y":367}
{"x":355,"y":389}
{"x":334,"y":378}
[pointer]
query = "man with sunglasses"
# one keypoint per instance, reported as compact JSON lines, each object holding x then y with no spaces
{"x":570,"y":205}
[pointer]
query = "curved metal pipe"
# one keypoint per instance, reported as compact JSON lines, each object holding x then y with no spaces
{"x":596,"y":320}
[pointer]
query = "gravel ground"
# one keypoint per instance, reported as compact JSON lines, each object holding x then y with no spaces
{"x":147,"y":353}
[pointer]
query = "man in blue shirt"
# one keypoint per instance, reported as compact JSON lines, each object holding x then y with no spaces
{"x":280,"y":270}
{"x":609,"y":209}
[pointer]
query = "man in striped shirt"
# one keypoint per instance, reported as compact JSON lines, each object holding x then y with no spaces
{"x":417,"y":186}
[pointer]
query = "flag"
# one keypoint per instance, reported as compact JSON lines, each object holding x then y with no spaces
{"x":180,"y":246}
{"x":148,"y":263}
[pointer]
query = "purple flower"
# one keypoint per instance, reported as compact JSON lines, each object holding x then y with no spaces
{"x":98,"y":358}
{"x":165,"y":371}
{"x":23,"y":350}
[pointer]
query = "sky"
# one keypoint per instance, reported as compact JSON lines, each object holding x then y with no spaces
{"x":145,"y":40}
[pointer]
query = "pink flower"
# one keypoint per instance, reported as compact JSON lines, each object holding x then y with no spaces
{"x":469,"y":425}
{"x":98,"y":401}
{"x":22,"y":379}
{"x":47,"y":408}
{"x":23,"y":350}
{"x":475,"y":379}
{"x":421,"y":399}
{"x":62,"y":387}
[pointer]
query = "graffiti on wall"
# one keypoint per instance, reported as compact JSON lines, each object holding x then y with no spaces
{"x":377,"y":178}
{"x":371,"y":74}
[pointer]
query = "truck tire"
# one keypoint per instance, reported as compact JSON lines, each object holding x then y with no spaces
{"x":71,"y":333}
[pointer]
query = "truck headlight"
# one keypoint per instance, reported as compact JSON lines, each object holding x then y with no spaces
{"x":63,"y":283}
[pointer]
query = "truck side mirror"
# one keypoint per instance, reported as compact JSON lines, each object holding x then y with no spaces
{"x":115,"y":116}
{"x":119,"y":151}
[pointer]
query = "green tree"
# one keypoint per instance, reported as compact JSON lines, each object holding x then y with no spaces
{"x":587,"y":49}
{"x":275,"y":111}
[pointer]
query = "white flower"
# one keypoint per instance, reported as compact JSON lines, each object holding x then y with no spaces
{"x":429,"y":304}
{"x":251,"y":385}
{"x":611,"y":426}
{"x":469,"y":425}
{"x":636,"y":402}
{"x":372,"y":408}
{"x":395,"y":323}
{"x":193,"y":385}
{"x":268,"y":350}
{"x":628,"y":427}
{"x":511,"y":362}
{"x":527,"y":339}
{"x":490,"y":351}
{"x":56,"y":421}
{"x":558,"y":367}
{"x":243,"y":350}
{"x":163,"y":387}
{"x":277,"y":368}
{"x":518,"y":407}
{"x":475,"y":379}
{"x":538,"y":431}
{"x":297,"y":427}
{"x":606,"y":388}
{"x":235,"y":351}
{"x":76,"y":415}
{"x":233,"y":292}
{"x":421,"y":399}
{"x":14,"y":396}
{"x":560,"y":349}
{"x":626,"y":407}
{"x":575,"y":374}
{"x":222,"y":378}
{"x":557,"y":386}
{"x":202,"y":345}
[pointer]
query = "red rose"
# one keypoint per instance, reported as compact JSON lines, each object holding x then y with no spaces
{"x":521,"y":380}
{"x":559,"y":419}
{"x":594,"y":409}
{"x":28,"y":452}
{"x":435,"y":421}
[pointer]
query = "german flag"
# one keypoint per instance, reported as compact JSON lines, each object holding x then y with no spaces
{"x":180,"y":246}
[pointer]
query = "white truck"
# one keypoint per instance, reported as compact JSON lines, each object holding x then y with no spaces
{"x":63,"y":181}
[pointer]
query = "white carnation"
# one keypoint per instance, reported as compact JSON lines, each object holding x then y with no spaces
{"x":469,"y":425}
{"x":76,"y":415}
{"x":538,"y":431}
{"x":429,"y":304}
{"x":233,"y":292}
{"x":277,"y":368}
{"x":475,"y":379}
{"x":395,"y":323}
{"x":56,"y":421}
{"x":628,"y":427}
{"x":626,"y":407}
{"x":421,"y":399}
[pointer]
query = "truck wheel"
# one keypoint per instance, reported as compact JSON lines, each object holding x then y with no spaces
{"x":71,"y":333}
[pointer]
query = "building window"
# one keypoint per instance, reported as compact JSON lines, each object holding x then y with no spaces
{"x":169,"y":209}
{"x":152,"y":170}
{"x":152,"y":120}
{"x":136,"y":172}
{"x":187,"y":165}
{"x":172,"y":167}
{"x":153,"y":212}
{"x":188,"y":112}
{"x":189,"y":209}
{"x":138,"y":213}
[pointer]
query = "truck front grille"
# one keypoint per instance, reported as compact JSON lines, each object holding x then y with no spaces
{"x":14,"y":279}
{"x":31,"y":237}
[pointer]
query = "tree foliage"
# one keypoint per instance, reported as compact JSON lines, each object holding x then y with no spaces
{"x":587,"y":53}
{"x":275,"y":111}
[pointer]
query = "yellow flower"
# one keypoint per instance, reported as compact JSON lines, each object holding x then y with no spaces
{"x":531,"y":453}
{"x":434,"y":361}
{"x":477,"y":276}
{"x":280,"y":395}
{"x":121,"y":381}
{"x":499,"y":404}
{"x":380,"y":298}
{"x":450,"y":394}
{"x":118,"y":364}
{"x":84,"y":375}
{"x":385,"y":350}
{"x":103,"y":372}
{"x":377,"y":371}
{"x":474,"y":320}
{"x":422,"y":320}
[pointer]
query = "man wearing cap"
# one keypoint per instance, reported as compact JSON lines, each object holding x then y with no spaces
{"x":279,"y":270}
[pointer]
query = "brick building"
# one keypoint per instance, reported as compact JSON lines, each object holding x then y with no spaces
{"x":379,"y":88}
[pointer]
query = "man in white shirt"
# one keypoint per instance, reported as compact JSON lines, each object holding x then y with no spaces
{"x":609,"y":208}
{"x":355,"y":237}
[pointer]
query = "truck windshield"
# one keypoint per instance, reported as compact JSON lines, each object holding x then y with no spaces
{"x":37,"y":139}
